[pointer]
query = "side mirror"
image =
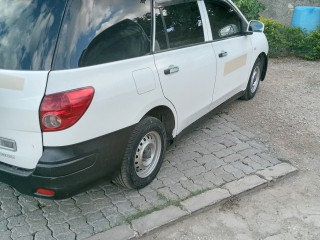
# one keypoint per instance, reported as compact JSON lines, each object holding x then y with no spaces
{"x":255,"y":26}
{"x":228,"y":30}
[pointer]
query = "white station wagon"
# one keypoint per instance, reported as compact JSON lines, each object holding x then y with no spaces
{"x":97,"y":89}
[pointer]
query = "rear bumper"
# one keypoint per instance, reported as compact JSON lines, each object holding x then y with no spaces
{"x":71,"y":169}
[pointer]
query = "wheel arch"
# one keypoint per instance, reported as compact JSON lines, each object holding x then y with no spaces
{"x":166,"y":115}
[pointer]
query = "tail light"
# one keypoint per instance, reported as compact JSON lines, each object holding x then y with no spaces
{"x":45,"y":192}
{"x":60,"y":111}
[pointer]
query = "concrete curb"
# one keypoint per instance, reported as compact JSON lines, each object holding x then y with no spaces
{"x":117,"y":233}
{"x":157,"y":219}
{"x":205,"y":200}
{"x":277,"y":172}
{"x":244,"y":185}
{"x":189,"y":207}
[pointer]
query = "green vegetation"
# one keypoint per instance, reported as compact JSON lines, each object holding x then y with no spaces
{"x":291,"y":41}
{"x":167,"y":202}
{"x":250,"y":8}
{"x":283,"y":40}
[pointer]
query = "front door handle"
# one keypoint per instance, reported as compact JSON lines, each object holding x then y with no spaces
{"x":172,"y":69}
{"x":223,"y":54}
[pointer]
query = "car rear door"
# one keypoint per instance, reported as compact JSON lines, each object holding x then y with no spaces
{"x":185,"y":62}
{"x":28,"y":35}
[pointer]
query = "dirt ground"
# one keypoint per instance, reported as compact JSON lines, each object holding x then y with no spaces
{"x":285,"y":115}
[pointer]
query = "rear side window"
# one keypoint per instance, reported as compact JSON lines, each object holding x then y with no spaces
{"x":178,"y":24}
{"x":99,"y":31}
{"x":28,"y":33}
{"x":224,"y":20}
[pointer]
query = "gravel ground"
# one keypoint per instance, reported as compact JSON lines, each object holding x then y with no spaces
{"x":285,"y":115}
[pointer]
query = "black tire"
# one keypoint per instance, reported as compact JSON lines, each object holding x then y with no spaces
{"x":148,"y":133}
{"x":254,"y":81}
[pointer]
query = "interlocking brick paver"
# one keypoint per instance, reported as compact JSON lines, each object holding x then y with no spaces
{"x":214,"y":164}
{"x":3,"y":226}
{"x":138,"y":202}
{"x":180,"y":191}
{"x":240,"y":147}
{"x":5,"y":235}
{"x":18,"y":232}
{"x":195,"y":171}
{"x":215,"y":153}
{"x":240,"y":136}
{"x":168,"y":194}
{"x":216,"y":180}
{"x":226,"y":176}
{"x":254,"y":165}
{"x":66,"y":236}
{"x":27,"y":203}
{"x":237,"y":173}
{"x":257,"y":145}
{"x":264,"y":163}
{"x":43,"y":235}
{"x":244,"y":168}
{"x":17,"y":221}
{"x":212,"y":147}
{"x":59,"y":218}
{"x":116,"y":219}
{"x":224,"y":153}
{"x":2,"y":216}
{"x":202,"y":182}
{"x":100,"y":226}
{"x":191,"y":186}
{"x":38,"y":226}
{"x":58,"y":229}
{"x":269,"y":158}
{"x":249,"y":152}
{"x":232,"y":158}
{"x":126,"y":208}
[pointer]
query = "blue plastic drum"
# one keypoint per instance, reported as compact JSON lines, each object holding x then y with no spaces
{"x":307,"y":18}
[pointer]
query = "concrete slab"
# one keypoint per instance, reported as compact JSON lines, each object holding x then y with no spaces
{"x":123,"y":232}
{"x":245,"y":184}
{"x":205,"y":200}
{"x":278,"y":171}
{"x":157,"y":219}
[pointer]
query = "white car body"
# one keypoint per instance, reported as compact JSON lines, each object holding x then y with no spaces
{"x":125,"y":91}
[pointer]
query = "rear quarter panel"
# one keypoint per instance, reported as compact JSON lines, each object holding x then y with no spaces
{"x":116,"y":103}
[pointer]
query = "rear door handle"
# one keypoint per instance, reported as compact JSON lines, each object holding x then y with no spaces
{"x":172,"y":69}
{"x":223,"y":54}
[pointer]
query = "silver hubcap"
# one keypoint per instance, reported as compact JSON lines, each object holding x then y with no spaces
{"x":255,"y":79}
{"x":148,"y":154}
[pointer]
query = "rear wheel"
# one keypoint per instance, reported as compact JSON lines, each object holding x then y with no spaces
{"x":254,"y":81}
{"x":144,"y":154}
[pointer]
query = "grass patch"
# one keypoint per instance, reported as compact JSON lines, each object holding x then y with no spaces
{"x":146,"y":212}
{"x":167,"y":203}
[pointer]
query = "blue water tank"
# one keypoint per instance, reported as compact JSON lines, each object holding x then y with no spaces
{"x":307,"y":18}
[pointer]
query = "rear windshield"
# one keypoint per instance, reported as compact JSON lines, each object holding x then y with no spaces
{"x":28,"y":33}
{"x":100,"y":31}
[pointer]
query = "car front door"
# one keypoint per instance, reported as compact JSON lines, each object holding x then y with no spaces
{"x":233,"y":50}
{"x":185,"y":63}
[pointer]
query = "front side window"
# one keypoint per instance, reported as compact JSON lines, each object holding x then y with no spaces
{"x":224,"y":20}
{"x":99,"y":31}
{"x":178,"y":24}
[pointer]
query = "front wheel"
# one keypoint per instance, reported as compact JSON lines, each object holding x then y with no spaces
{"x":144,"y":154}
{"x":254,"y":81}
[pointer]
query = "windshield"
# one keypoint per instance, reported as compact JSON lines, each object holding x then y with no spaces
{"x":28,"y":33}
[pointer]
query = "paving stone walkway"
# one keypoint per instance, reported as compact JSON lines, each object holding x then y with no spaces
{"x":214,"y":154}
